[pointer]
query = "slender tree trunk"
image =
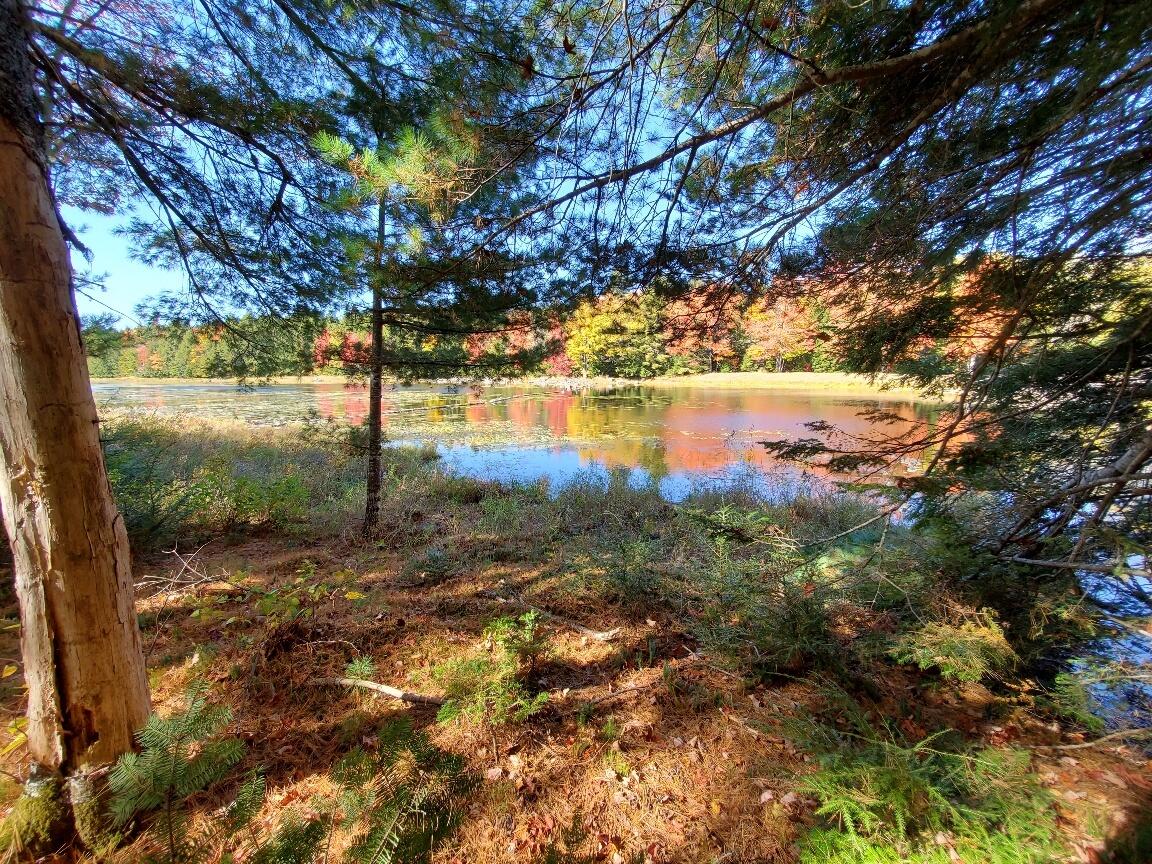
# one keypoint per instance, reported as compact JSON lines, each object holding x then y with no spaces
{"x":87,"y":688}
{"x":375,"y":378}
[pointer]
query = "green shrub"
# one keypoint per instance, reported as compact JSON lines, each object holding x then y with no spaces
{"x":395,"y":804}
{"x":461,"y":490}
{"x":488,"y":688}
{"x":484,"y":689}
{"x":398,"y":804}
{"x":887,"y":787}
{"x":759,"y":612}
{"x":363,"y":668}
{"x":592,"y":502}
{"x":180,"y":479}
{"x":298,"y":598}
{"x":888,"y":799}
{"x":965,"y":652}
{"x":628,"y":574}
{"x":430,"y":567}
{"x":186,"y":480}
{"x":1071,"y":700}
{"x":179,"y":755}
{"x":504,"y":513}
{"x":522,"y":637}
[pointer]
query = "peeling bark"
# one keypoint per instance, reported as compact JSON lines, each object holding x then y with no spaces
{"x":87,"y":688}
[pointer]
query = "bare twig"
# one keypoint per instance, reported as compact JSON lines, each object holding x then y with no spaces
{"x":1103,"y":739}
{"x":168,"y":584}
{"x":618,"y":694}
{"x":167,"y":587}
{"x":598,"y":635}
{"x":394,"y":692}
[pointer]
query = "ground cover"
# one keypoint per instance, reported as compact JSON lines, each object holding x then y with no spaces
{"x":608,"y":677}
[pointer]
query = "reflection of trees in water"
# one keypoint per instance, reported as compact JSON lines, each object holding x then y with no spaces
{"x":647,"y":453}
{"x":661,"y":430}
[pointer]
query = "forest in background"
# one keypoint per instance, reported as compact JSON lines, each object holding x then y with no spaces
{"x":641,"y":333}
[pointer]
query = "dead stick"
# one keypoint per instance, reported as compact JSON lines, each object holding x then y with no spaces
{"x":617,"y":694}
{"x":1103,"y":739}
{"x":394,"y":692}
{"x":598,"y":635}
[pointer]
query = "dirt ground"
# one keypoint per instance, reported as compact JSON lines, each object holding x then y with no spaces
{"x":648,"y":749}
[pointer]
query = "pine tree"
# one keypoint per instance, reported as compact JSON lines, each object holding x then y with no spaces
{"x":87,"y":690}
{"x":435,"y":174}
{"x":178,"y":756}
{"x":392,"y":805}
{"x":208,"y":116}
{"x":957,"y":171}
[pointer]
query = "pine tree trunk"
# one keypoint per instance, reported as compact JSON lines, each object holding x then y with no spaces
{"x":87,"y":688}
{"x":375,"y":380}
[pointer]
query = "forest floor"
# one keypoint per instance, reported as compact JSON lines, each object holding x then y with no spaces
{"x":654,"y":744}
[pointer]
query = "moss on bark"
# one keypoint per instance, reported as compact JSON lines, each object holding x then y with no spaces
{"x":38,"y":822}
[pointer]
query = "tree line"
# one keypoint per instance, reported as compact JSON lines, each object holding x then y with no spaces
{"x":640,"y":333}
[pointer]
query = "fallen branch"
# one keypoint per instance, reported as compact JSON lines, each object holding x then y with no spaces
{"x":394,"y":692}
{"x":1103,"y":739}
{"x":616,"y":694}
{"x":598,"y":635}
{"x":177,"y":582}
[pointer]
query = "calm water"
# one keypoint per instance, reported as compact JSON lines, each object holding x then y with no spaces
{"x":676,"y":437}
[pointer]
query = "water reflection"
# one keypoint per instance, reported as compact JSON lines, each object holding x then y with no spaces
{"x":677,"y":437}
{"x":1124,"y":699}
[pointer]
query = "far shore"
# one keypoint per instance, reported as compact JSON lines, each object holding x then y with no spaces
{"x":841,"y":382}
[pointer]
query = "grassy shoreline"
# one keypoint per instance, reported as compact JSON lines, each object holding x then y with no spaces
{"x":883,"y":385}
{"x":835,"y":382}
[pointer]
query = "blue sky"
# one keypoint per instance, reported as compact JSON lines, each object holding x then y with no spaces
{"x":128,"y":281}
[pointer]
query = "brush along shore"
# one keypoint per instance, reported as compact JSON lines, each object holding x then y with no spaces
{"x":843,"y":383}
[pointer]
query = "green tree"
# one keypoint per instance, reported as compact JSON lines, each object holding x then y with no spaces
{"x":434,"y":173}
{"x":83,"y":667}
{"x":620,"y":334}
{"x":209,"y":116}
{"x":102,"y":343}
